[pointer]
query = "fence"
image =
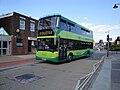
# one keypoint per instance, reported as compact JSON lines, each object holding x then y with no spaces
{"x":84,"y":81}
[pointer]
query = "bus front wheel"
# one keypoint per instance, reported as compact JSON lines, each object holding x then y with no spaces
{"x":70,"y":57}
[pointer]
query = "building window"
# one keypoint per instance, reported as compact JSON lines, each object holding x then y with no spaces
{"x":19,"y":43}
{"x":0,"y":44}
{"x":22,"y":24}
{"x":4,"y":44}
{"x":32,"y":27}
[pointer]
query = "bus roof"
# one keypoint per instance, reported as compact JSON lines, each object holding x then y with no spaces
{"x":64,"y":18}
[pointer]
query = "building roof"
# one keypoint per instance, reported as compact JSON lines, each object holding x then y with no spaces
{"x":12,"y":13}
{"x":6,"y":15}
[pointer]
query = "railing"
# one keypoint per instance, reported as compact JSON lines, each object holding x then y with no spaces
{"x":83,"y":81}
{"x":115,"y":52}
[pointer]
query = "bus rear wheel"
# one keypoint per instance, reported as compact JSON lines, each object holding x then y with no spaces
{"x":70,"y":57}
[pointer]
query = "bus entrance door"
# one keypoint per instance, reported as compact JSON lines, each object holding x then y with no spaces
{"x":63,"y":52}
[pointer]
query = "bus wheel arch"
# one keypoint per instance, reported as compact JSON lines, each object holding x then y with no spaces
{"x":70,"y":57}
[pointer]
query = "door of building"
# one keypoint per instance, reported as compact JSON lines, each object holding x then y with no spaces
{"x":29,"y":45}
{"x":5,"y":48}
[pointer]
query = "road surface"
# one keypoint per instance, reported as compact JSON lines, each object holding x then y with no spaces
{"x":47,"y":76}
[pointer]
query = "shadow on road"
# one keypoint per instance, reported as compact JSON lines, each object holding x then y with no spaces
{"x":64,"y":62}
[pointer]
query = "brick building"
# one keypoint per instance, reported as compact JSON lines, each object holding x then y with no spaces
{"x":19,"y":35}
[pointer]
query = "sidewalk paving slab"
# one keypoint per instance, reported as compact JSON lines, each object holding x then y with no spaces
{"x":103,"y":80}
{"x":7,"y":61}
{"x":16,"y":57}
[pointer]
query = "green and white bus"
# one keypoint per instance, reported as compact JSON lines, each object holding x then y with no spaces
{"x":60,"y":39}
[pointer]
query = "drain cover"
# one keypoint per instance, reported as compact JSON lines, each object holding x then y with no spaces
{"x":27,"y":78}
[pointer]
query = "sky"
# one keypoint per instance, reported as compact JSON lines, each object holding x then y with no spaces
{"x":97,"y":15}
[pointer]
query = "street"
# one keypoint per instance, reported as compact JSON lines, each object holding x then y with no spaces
{"x":47,"y":76}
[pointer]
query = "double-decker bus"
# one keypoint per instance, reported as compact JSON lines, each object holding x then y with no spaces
{"x":60,"y":39}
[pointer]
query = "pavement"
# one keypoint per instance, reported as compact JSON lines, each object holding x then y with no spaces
{"x":8,"y":61}
{"x":109,"y":76}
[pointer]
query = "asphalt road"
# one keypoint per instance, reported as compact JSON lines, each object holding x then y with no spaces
{"x":47,"y":76}
{"x":97,"y":55}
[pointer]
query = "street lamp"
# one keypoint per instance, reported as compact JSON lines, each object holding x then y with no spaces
{"x":116,"y":5}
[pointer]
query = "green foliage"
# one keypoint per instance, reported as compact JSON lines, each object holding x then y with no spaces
{"x":115,"y":47}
